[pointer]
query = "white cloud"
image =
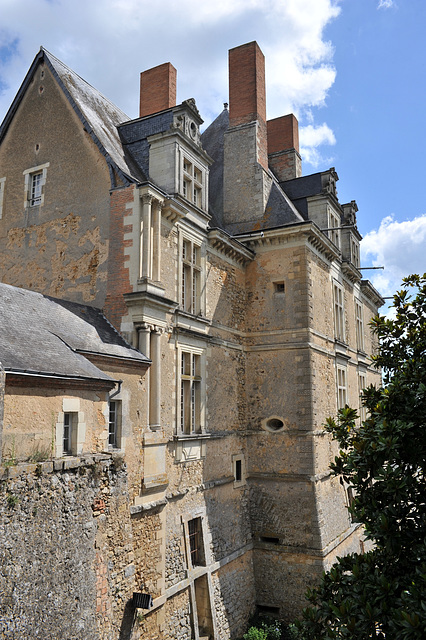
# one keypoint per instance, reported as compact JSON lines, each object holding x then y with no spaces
{"x":400,"y":247}
{"x":311,"y":137}
{"x":385,"y":4}
{"x":108,"y":42}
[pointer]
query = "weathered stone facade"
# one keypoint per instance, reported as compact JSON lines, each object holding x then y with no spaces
{"x":215,"y":496}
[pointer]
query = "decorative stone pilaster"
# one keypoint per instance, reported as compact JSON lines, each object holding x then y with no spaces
{"x":156,"y":230}
{"x":155,"y":380}
{"x":145,"y":240}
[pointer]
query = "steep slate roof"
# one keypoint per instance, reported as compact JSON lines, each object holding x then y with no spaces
{"x":299,"y":189}
{"x":43,"y":336}
{"x":99,"y":116}
{"x":279,"y":210}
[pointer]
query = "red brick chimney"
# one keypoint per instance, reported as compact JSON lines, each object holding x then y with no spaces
{"x":246,"y":179}
{"x":247,"y":95}
{"x":283,"y":147}
{"x":158,"y":89}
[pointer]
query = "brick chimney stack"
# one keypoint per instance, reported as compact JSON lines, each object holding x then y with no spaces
{"x":283,"y":147}
{"x":247,"y":93}
{"x":247,"y":182}
{"x":157,"y":89}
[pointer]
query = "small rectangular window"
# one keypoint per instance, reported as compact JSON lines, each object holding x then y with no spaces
{"x":114,"y":424}
{"x":35,"y":180}
{"x":238,"y":470}
{"x":35,"y":189}
{"x":69,"y":437}
{"x":238,"y":466}
{"x":279,"y":287}
{"x":196,"y":543}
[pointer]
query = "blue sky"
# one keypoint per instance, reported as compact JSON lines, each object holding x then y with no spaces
{"x":351,"y":70}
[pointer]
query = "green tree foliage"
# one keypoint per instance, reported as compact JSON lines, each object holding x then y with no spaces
{"x":382,"y":593}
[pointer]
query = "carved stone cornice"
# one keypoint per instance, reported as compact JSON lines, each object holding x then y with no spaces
{"x":172,"y":210}
{"x":371,"y":293}
{"x":350,"y":271}
{"x":299,"y":232}
{"x":232,"y":249}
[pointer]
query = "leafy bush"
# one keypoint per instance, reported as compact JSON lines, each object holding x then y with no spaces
{"x":254,"y":633}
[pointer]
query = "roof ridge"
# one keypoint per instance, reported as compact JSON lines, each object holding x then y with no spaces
{"x":74,"y":73}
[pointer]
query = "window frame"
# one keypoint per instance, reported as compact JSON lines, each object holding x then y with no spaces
{"x":355,"y":257}
{"x":362,"y":383}
{"x":191,"y":274}
{"x":359,"y":325}
{"x":196,"y":550}
{"x":2,"y":190}
{"x":334,"y":224}
{"x":341,"y":386}
{"x":115,"y":433}
{"x":192,"y":184}
{"x":69,"y":433}
{"x":191,"y":391}
{"x":339,"y":312}
{"x":239,"y":469}
{"x":30,"y":177}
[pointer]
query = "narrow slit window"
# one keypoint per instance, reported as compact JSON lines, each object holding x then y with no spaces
{"x":114,"y":424}
{"x":66,"y":444}
{"x":238,"y":470}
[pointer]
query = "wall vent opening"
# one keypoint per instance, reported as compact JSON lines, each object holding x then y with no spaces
{"x":268,"y":610}
{"x":270,"y":539}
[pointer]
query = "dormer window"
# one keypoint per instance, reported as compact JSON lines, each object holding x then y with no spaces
{"x":192,"y":182}
{"x":333,"y":226}
{"x":355,"y":252}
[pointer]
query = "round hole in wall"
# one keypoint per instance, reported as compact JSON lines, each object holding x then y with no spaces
{"x":274,"y":424}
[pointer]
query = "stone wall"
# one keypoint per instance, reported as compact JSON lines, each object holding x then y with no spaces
{"x":66,"y":550}
{"x":234,"y":596}
{"x":60,"y":247}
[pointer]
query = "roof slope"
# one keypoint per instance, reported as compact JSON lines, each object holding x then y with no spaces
{"x":98,"y":114}
{"x":42,"y":336}
{"x":279,"y":210}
